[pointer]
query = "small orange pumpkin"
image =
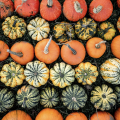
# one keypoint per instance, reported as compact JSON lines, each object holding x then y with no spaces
{"x":73,"y":52}
{"x":117,"y":114}
{"x":118,"y":3}
{"x":95,"y":47}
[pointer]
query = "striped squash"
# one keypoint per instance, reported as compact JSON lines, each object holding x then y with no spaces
{"x":110,"y":70}
{"x":117,"y":92}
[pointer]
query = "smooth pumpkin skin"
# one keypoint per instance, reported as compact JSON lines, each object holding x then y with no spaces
{"x":69,"y":57}
{"x":27,"y":50}
{"x":115,"y":46}
{"x":49,"y":114}
{"x":118,"y":3}
{"x":53,"y":54}
{"x":76,"y":116}
{"x":92,"y":50}
{"x":117,"y":114}
{"x":3,"y":50}
{"x":17,"y":115}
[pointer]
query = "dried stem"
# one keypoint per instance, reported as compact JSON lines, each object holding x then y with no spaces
{"x":98,"y":44}
{"x":73,"y":51}
{"x":77,"y":7}
{"x":50,"y":3}
{"x":97,"y":9}
{"x":19,"y":54}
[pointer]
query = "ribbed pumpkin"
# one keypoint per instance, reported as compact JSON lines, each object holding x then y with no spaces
{"x":38,"y":28}
{"x":6,"y":100}
{"x":36,"y":73}
{"x":62,"y":74}
{"x":14,"y":27}
{"x":49,"y":97}
{"x":86,"y":73}
{"x":28,"y":96}
{"x":103,"y":97}
{"x":85,"y":28}
{"x":63,"y":32}
{"x":74,"y":97}
{"x":117,"y":92}
{"x":110,"y":70}
{"x":12,"y":74}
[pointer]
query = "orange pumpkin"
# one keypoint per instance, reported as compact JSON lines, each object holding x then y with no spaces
{"x":47,"y":51}
{"x":17,"y":115}
{"x":115,"y":46}
{"x":101,"y":115}
{"x":50,"y":9}
{"x":117,"y":114}
{"x":73,"y":52}
{"x":49,"y":114}
{"x":74,"y":10}
{"x":100,"y":10}
{"x":95,"y":47}
{"x":22,"y":52}
{"x":3,"y":50}
{"x":118,"y":3}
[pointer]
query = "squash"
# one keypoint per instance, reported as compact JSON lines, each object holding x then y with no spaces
{"x":49,"y":97}
{"x":86,"y":73}
{"x":118,"y":24}
{"x":118,"y":3}
{"x":38,"y":28}
{"x":117,"y":92}
{"x":12,"y":74}
{"x":63,"y":32}
{"x":6,"y":100}
{"x":36,"y":73}
{"x":74,"y":97}
{"x":14,"y":27}
{"x":110,"y":70}
{"x":106,"y":30}
{"x":62,"y":74}
{"x":28,"y":96}
{"x":117,"y":114}
{"x":85,"y":28}
{"x":103,"y":97}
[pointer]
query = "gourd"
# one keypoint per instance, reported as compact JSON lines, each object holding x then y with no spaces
{"x":62,"y":74}
{"x":6,"y":100}
{"x":118,"y":24}
{"x":12,"y":74}
{"x":63,"y":32}
{"x":74,"y":97}
{"x":117,"y":92}
{"x":118,"y":3}
{"x":49,"y":97}
{"x":103,"y":97}
{"x":38,"y":28}
{"x":86,"y":73}
{"x":14,"y":27}
{"x":117,"y":114}
{"x":106,"y":30}
{"x":28,"y":96}
{"x":36,"y":73}
{"x":85,"y":28}
{"x":110,"y":70}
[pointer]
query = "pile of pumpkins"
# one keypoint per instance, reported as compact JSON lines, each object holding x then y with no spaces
{"x":31,"y":63}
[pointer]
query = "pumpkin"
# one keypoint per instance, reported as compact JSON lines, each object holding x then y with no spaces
{"x":73,"y":52}
{"x":17,"y":115}
{"x":6,"y":8}
{"x":6,"y":100}
{"x":14,"y":27}
{"x":117,"y":114}
{"x":118,"y":24}
{"x":110,"y":70}
{"x":115,"y":46}
{"x":106,"y":30}
{"x":47,"y":51}
{"x":101,"y":115}
{"x":22,"y":52}
{"x":62,"y":74}
{"x":95,"y":47}
{"x":117,"y":92}
{"x":12,"y":74}
{"x":49,"y":114}
{"x":100,"y":10}
{"x":74,"y":97}
{"x":49,"y":97}
{"x":63,"y":32}
{"x":38,"y":28}
{"x":103,"y":97}
{"x":36,"y":73}
{"x":3,"y":50}
{"x":86,"y":73}
{"x":50,"y":10}
{"x":118,"y":3}
{"x":28,"y":96}
{"x":85,"y":28}
{"x":26,"y":8}
{"x":74,"y":10}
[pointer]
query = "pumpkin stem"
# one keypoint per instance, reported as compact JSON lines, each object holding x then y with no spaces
{"x":19,"y":54}
{"x":73,"y":51}
{"x":98,"y":44}
{"x":49,"y":3}
{"x":1,"y":4}
{"x":14,"y":23}
{"x":97,"y":9}
{"x":77,"y":7}
{"x":74,"y":99}
{"x":23,"y":105}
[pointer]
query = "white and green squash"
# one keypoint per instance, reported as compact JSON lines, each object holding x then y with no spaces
{"x":117,"y":92}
